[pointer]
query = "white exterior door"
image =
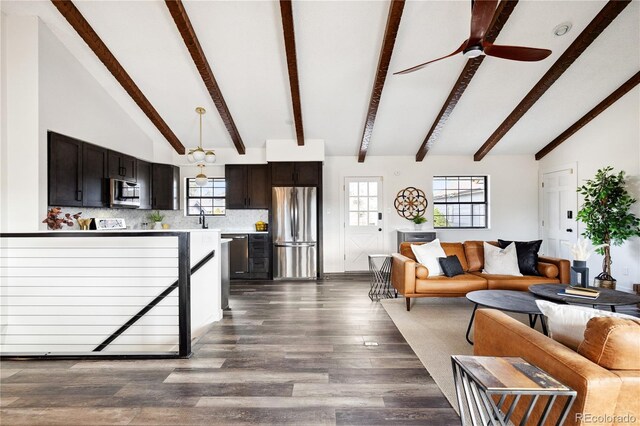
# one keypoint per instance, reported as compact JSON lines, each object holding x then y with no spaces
{"x":559,"y":210}
{"x":362,"y":222}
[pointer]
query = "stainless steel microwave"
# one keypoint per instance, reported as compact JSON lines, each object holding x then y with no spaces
{"x":124,"y":194}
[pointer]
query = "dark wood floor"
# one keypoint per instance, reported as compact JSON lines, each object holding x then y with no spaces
{"x":287,"y":353}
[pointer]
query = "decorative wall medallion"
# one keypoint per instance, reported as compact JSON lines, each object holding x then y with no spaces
{"x":411,"y":202}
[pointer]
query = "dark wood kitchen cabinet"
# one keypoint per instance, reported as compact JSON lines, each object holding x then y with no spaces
{"x":165,"y":187}
{"x":76,"y":173}
{"x":122,"y":166}
{"x":303,"y":173}
{"x":248,"y":186}
{"x":144,"y":174}
{"x":95,"y":186}
{"x":65,"y":170}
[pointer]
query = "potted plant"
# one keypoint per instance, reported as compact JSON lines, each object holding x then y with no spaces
{"x":54,"y":222}
{"x":418,"y":221}
{"x":156,"y":217}
{"x":607,"y":217}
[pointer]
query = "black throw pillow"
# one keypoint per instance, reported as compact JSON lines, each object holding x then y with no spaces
{"x":527,"y":252}
{"x":451,"y":265}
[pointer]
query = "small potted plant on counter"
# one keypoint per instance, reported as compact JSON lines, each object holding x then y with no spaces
{"x":418,"y":221}
{"x":156,"y":218}
{"x":54,"y":222}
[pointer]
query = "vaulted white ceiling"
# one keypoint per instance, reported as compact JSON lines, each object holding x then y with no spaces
{"x":338,"y":44}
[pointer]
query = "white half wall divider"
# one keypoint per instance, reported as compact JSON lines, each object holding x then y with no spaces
{"x":101,"y":294}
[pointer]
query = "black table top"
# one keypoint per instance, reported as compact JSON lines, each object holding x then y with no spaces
{"x":607,"y":296}
{"x":506,"y":300}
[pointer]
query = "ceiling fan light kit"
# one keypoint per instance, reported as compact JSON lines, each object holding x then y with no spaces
{"x":476,"y":45}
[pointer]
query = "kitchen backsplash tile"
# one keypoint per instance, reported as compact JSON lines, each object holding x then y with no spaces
{"x":135,"y":219}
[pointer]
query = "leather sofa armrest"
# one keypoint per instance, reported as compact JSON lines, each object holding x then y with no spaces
{"x":497,"y":334}
{"x":548,"y":270}
{"x":563,"y":265}
{"x":403,"y":274}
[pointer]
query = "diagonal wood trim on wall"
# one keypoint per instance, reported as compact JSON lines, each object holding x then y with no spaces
{"x":180,"y":17}
{"x":608,"y":13}
{"x":504,"y":10}
{"x":292,"y":64}
{"x":606,"y":103}
{"x":388,"y":42}
{"x":95,"y":43}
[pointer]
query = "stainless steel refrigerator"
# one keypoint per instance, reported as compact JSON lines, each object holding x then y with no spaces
{"x":294,"y":227}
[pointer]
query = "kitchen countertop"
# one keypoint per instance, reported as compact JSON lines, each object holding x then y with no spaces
{"x":242,"y":231}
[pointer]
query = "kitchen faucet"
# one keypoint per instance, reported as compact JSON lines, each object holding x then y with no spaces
{"x":202,"y":220}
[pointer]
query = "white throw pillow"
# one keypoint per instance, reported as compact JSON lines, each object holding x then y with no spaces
{"x":501,"y":261}
{"x":428,"y":254}
{"x":567,"y":323}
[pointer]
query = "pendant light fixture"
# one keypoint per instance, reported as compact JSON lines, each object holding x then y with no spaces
{"x":201,"y":178}
{"x":199,"y":155}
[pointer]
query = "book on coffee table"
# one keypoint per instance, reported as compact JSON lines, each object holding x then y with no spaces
{"x":587,"y":293}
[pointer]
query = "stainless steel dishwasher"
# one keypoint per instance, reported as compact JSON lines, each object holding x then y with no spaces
{"x":238,"y":255}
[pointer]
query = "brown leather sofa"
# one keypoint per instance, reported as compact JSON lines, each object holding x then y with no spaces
{"x":412,"y":279}
{"x":605,"y":371}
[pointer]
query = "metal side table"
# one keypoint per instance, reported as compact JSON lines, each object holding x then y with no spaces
{"x":380,"y":275}
{"x":489,"y":389}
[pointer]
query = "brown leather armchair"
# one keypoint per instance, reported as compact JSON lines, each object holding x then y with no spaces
{"x":605,"y":372}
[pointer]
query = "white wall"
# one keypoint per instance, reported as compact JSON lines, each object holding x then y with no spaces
{"x":513,"y":205}
{"x":21,"y":199}
{"x":611,"y":139}
{"x":48,"y":89}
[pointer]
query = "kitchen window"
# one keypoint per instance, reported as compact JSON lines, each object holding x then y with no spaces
{"x":460,"y":202}
{"x":209,"y":198}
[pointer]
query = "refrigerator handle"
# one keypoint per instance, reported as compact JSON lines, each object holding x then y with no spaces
{"x":295,"y":213}
{"x":291,"y":213}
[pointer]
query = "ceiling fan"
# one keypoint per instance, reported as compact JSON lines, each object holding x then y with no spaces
{"x":481,"y":16}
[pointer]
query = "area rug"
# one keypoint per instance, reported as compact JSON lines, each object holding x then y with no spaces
{"x":435,"y":329}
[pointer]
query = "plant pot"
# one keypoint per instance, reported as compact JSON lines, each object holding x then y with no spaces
{"x":579,"y":263}
{"x":418,"y":226}
{"x":610,"y":284}
{"x":157,"y":225}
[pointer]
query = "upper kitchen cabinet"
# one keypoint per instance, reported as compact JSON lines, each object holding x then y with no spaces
{"x":248,"y":186}
{"x":122,"y":166}
{"x":76,"y":173}
{"x":165,"y":187}
{"x":65,"y":170}
{"x":94,"y":173}
{"x":145,"y":172}
{"x":296,"y":173}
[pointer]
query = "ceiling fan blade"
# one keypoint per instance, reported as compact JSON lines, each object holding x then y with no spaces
{"x":516,"y":53}
{"x":481,"y":16}
{"x":418,"y":67}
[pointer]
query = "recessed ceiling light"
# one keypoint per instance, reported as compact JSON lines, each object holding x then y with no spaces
{"x":562,"y":29}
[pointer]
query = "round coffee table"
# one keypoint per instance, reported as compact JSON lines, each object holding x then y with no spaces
{"x":607,"y":297}
{"x":520,"y":302}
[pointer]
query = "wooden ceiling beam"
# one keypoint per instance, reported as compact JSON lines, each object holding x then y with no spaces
{"x":608,"y":13}
{"x":286,"y":12}
{"x":499,"y":19}
{"x":95,"y":43}
{"x":182,"y":21}
{"x":388,"y":42}
{"x":606,"y":103}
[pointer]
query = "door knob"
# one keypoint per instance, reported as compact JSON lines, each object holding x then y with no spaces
{"x":569,"y":230}
{"x":379,"y":229}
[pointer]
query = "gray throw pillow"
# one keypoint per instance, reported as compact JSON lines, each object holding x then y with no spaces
{"x":451,"y":265}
